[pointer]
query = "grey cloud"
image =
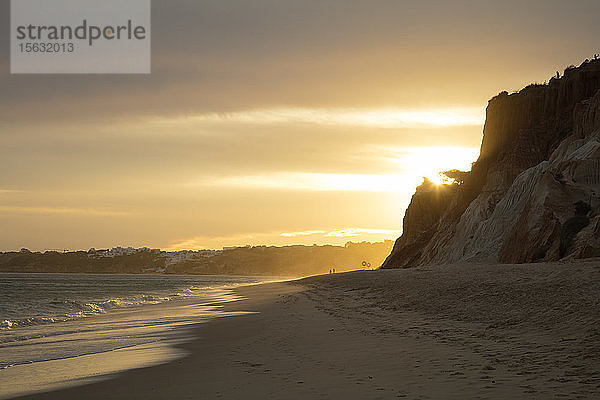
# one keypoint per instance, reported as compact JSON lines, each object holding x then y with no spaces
{"x":222,"y":55}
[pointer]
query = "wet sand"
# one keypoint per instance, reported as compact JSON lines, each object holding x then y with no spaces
{"x":455,"y":332}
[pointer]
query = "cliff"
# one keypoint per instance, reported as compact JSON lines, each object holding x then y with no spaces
{"x":532,"y":195}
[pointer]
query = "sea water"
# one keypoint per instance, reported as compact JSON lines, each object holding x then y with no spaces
{"x":45,"y":318}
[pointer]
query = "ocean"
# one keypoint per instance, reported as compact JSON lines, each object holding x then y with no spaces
{"x":45,"y":318}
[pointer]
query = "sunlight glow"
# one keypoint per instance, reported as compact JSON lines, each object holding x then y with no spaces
{"x":381,"y":117}
{"x":412,"y":164}
{"x":302,"y":233}
{"x":429,"y":162}
{"x":320,"y":236}
{"x":349,"y":232}
{"x":315,"y":182}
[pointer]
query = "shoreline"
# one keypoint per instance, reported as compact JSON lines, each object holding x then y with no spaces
{"x":454,"y":332}
{"x":80,"y":350}
{"x":162,"y":354}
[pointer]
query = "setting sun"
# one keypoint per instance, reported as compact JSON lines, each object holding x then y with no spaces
{"x":430,"y":162}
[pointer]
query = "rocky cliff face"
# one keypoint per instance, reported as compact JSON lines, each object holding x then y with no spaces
{"x":534,"y":192}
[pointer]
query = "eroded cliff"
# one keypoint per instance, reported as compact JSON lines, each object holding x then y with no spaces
{"x":532,"y":195}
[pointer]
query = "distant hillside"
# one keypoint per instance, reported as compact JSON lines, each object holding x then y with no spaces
{"x":257,"y":260}
{"x":534,"y":192}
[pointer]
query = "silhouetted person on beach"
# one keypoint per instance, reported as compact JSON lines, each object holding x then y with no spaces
{"x":557,"y":75}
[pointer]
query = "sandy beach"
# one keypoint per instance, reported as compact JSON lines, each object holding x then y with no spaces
{"x":298,"y":200}
{"x":526,"y":331}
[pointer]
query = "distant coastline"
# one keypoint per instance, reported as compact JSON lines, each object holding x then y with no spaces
{"x":296,"y":260}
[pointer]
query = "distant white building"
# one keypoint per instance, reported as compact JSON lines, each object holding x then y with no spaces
{"x":118,"y":251}
{"x":172,"y":257}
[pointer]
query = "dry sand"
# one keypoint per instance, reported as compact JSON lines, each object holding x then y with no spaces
{"x":454,"y":332}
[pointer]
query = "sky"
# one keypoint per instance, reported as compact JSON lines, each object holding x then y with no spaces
{"x":268,"y":121}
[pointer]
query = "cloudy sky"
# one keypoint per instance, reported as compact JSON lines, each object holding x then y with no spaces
{"x":268,"y":121}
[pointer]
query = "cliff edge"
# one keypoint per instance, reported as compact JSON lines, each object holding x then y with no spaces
{"x":534,"y":192}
